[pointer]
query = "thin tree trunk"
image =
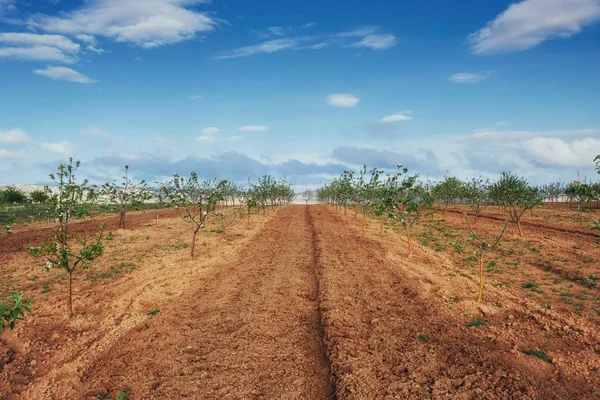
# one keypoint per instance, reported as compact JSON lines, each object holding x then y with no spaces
{"x":193,"y":247}
{"x":70,"y":295}
{"x":519,"y":226}
{"x":410,"y":245}
{"x":480,"y":279}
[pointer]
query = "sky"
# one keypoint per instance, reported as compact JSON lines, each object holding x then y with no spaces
{"x":302,"y":89}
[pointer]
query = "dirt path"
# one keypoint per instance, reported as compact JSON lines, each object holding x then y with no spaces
{"x":249,"y":330}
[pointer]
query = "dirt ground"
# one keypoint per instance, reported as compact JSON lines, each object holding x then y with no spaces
{"x":304,"y":304}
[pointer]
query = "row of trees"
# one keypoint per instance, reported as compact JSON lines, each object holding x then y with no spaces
{"x":195,"y":201}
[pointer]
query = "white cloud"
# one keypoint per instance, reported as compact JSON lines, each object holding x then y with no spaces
{"x":8,"y":154}
{"x":195,"y":96}
{"x":7,"y":6}
{"x":34,"y":47}
{"x":397,"y":117}
{"x":342,"y":100}
{"x":253,"y":128}
{"x":465,"y":77}
{"x":64,"y":74}
{"x":211,"y":130}
{"x":156,"y":23}
{"x":309,"y":25}
{"x":377,"y":42}
{"x":86,"y":38}
{"x":526,"y":24}
{"x":270,"y":46}
{"x":554,"y":151}
{"x":13,"y":136}
{"x":64,"y":148}
{"x":93,"y":132}
{"x":276,"y":30}
{"x":31,"y":39}
{"x":360,"y":32}
{"x":95,"y":49}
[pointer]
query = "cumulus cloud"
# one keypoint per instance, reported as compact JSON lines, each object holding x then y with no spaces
{"x":64,"y":74}
{"x":9,"y":154}
{"x":555,"y":151}
{"x":397,"y":117}
{"x":465,"y":77}
{"x":63,"y":148}
{"x":342,"y":100}
{"x":530,"y":22}
{"x":157,"y":23}
{"x":13,"y":136}
{"x":253,"y":128}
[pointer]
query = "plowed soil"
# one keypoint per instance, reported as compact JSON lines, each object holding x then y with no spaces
{"x":301,"y":304}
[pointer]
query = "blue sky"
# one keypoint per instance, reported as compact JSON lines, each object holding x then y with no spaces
{"x":234,"y":88}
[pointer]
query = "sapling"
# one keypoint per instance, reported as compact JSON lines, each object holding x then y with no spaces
{"x":194,"y":201}
{"x":126,"y":196}
{"x":476,"y":195}
{"x":405,"y":202}
{"x":483,"y":246}
{"x":308,"y":195}
{"x":516,"y":196}
{"x":226,"y":218}
{"x":67,"y":250}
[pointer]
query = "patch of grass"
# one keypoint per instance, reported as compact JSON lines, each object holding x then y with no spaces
{"x":46,"y":287}
{"x":154,"y":311}
{"x":476,"y":322}
{"x":181,"y":245}
{"x":537,"y":353}
{"x":533,"y":287}
{"x":591,"y":281}
{"x":120,"y":269}
{"x":421,"y":338}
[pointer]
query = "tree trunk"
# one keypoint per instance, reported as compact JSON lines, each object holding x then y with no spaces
{"x":364,"y":221}
{"x":122,"y":220}
{"x":410,"y":245}
{"x":193,"y":246}
{"x":480,"y":279}
{"x":519,"y":226}
{"x":70,"y":295}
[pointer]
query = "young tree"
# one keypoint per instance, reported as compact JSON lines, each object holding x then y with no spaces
{"x":126,"y":196}
{"x":448,"y":191}
{"x":226,"y":218}
{"x":13,"y":195}
{"x":483,"y":246}
{"x":476,"y":195}
{"x":515,"y":195}
{"x":404,"y":202}
{"x":66,"y":250}
{"x":194,"y":201}
{"x":308,"y":195}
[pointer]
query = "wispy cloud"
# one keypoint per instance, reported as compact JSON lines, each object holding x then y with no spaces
{"x":157,"y":23}
{"x":377,"y":42}
{"x":359,"y":32}
{"x":253,"y":128}
{"x":195,"y":96}
{"x":13,"y":136}
{"x":34,"y":47}
{"x":276,"y":30}
{"x":93,"y":132}
{"x":64,"y":74}
{"x":211,"y":130}
{"x":465,"y":77}
{"x":309,"y":25}
{"x":270,"y":46}
{"x":530,"y":22}
{"x":342,"y":100}
{"x":397,"y":117}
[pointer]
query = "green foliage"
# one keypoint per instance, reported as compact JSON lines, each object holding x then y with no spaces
{"x":13,"y":310}
{"x":476,"y":322}
{"x":581,"y":192}
{"x":476,"y":194}
{"x":515,"y":195}
{"x":39,"y":196}
{"x":154,"y":311}
{"x":449,"y":190}
{"x":12,"y":194}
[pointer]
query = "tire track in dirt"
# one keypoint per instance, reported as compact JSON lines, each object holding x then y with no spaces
{"x":390,"y":337}
{"x":249,"y":330}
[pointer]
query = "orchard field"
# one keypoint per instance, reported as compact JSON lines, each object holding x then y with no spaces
{"x":377,"y":292}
